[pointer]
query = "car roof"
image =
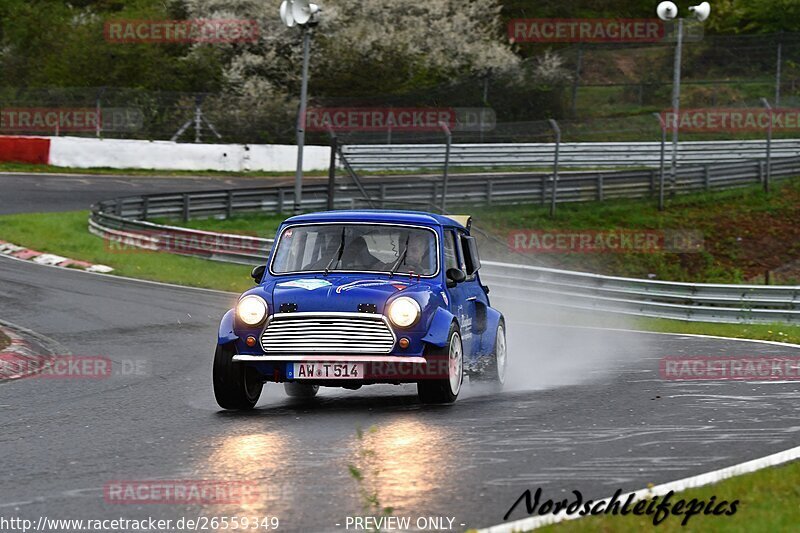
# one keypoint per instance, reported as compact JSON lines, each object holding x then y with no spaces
{"x":376,"y":215}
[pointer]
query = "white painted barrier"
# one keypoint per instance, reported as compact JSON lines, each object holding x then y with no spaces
{"x":80,"y":152}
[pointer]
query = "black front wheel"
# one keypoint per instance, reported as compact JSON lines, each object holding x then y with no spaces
{"x":236,"y":385}
{"x":444,"y":389}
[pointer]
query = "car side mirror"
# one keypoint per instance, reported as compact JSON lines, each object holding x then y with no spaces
{"x":455,"y":276}
{"x":258,"y":273}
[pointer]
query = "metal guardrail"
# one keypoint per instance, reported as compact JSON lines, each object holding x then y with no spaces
{"x":573,"y":155}
{"x":122,"y":223}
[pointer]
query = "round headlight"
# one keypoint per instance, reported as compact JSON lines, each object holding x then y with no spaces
{"x":252,"y":310}
{"x":404,"y":312}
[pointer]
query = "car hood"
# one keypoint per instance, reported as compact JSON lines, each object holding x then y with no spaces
{"x":341,"y":293}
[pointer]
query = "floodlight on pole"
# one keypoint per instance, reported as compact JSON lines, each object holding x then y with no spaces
{"x":667,"y":11}
{"x":300,"y":13}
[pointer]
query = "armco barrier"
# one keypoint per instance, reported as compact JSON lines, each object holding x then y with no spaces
{"x":574,"y":155}
{"x":121,"y":221}
{"x":33,"y":150}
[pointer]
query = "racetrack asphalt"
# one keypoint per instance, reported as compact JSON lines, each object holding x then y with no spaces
{"x":584,"y":410}
{"x":40,"y":193}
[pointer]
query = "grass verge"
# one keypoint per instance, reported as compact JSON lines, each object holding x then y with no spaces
{"x":66,"y":234}
{"x":4,"y":341}
{"x":768,"y":501}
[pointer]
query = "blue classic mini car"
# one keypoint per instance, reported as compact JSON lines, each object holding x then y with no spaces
{"x":350,"y":298}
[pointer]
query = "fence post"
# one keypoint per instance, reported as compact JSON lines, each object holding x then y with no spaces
{"x":448,"y":139}
{"x":557,"y":130}
{"x":576,"y":82}
{"x":769,"y":145}
{"x":332,"y":172}
{"x":662,"y":162}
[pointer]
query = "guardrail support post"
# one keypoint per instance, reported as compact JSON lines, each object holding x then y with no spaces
{"x":543,"y":188}
{"x":332,"y":172}
{"x":769,"y":145}
{"x":448,"y":140}
{"x":707,"y":177}
{"x":600,"y":187}
{"x":186,"y":202}
{"x":662,"y":162}
{"x":118,"y":207}
{"x":553,"y":199}
{"x":281,"y":200}
{"x":229,"y":205}
{"x":489,"y":192}
{"x":382,"y":197}
{"x":145,"y":207}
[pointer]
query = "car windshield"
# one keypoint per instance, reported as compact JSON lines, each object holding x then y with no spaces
{"x":357,"y":248}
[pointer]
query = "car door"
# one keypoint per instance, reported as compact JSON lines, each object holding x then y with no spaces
{"x":461,"y":302}
{"x":475,"y":295}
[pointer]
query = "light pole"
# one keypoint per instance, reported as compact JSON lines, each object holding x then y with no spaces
{"x":301,"y":13}
{"x":669,"y":11}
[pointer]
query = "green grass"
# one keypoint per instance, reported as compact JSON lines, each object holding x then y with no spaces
{"x":745,"y":232}
{"x":66,"y":234}
{"x":768,"y":502}
{"x":769,"y":332}
{"x":4,"y":341}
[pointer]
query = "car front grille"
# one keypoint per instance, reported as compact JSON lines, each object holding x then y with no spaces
{"x":327,"y":333}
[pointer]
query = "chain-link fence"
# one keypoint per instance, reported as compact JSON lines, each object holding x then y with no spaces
{"x":598,"y":92}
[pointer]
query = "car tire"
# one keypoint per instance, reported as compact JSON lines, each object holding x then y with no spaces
{"x":439,"y":391}
{"x":300,"y":390}
{"x":495,"y":371}
{"x":236,"y":385}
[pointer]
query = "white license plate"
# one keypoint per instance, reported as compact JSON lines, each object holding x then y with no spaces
{"x":327,"y":370}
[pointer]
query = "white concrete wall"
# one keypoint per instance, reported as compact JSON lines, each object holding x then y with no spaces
{"x":80,"y":152}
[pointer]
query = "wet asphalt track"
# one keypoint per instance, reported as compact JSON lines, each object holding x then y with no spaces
{"x":37,"y":193}
{"x":586,"y":410}
{"x":600,"y":422}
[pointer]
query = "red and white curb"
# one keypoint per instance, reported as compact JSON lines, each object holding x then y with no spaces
{"x":26,"y":254}
{"x":18,"y":355}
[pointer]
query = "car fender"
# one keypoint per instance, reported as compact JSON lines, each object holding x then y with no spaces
{"x":439,"y":328}
{"x":493,"y":319}
{"x":226,"y":333}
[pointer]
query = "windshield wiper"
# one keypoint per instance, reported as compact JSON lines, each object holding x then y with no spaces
{"x":400,"y":259}
{"x":338,"y":257}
